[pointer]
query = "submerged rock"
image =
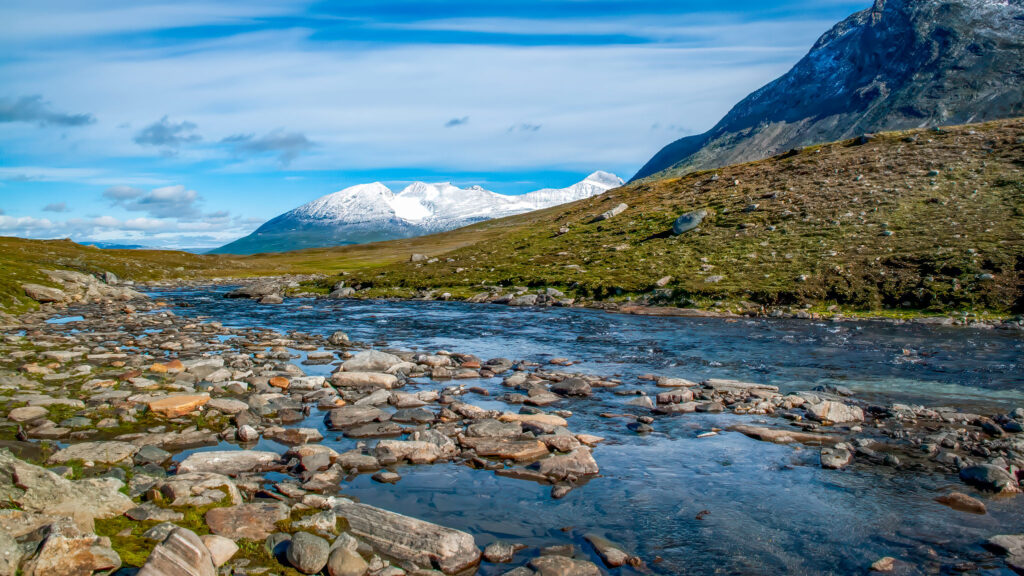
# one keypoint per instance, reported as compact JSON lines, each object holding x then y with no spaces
{"x":563,"y":566}
{"x":835,"y":458}
{"x":962,"y":502}
{"x":612,"y":555}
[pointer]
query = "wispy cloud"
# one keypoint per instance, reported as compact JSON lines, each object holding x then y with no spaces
{"x":89,"y":176}
{"x":524,"y":127}
{"x":36,"y":110}
{"x":167,"y":134}
{"x":56,"y":207}
{"x":287,"y":145}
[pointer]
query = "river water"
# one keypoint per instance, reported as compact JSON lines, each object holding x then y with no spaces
{"x":724,"y":504}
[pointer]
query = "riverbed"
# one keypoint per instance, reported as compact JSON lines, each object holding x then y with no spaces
{"x":684,"y":503}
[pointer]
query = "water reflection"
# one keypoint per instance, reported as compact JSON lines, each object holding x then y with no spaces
{"x":722,"y":504}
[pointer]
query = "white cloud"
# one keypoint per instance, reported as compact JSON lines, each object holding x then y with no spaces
{"x":168,"y":202}
{"x":145,"y":231}
{"x":91,"y":176}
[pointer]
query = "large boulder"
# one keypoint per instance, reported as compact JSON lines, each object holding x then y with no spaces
{"x":221,"y":549}
{"x":191,"y":489}
{"x":345,"y":562}
{"x":68,"y":551}
{"x":27,"y":413}
{"x":506,"y":449}
{"x":44,"y":294}
{"x":37,"y":490}
{"x":688,"y":221}
{"x":252,"y":521}
{"x":575,"y":464}
{"x":178,"y":405}
{"x":991,"y":478}
{"x":371,"y":361}
{"x":364,"y":380}
{"x":544,"y":422}
{"x":835,"y":412}
{"x":491,"y":428}
{"x":572,"y":387}
{"x":410,"y":539}
{"x":182,"y":553}
{"x":308,"y":553}
{"x":111,"y":452}
{"x":784,"y":436}
{"x":349,"y":416}
{"x":415,"y":452}
{"x":609,"y":214}
{"x":230,"y":462}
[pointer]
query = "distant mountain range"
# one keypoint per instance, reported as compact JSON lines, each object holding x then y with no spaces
{"x":372,"y":213}
{"x":900,"y":64}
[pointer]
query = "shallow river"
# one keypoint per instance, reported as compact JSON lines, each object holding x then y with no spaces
{"x":724,"y":504}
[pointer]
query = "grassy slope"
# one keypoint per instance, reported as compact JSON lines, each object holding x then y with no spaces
{"x":829,"y":206}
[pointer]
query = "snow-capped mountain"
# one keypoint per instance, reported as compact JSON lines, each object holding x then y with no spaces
{"x":372,"y":213}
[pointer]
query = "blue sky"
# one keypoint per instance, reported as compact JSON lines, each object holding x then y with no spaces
{"x":187,"y":124}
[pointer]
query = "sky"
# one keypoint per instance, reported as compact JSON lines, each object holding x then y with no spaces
{"x":186,"y":124}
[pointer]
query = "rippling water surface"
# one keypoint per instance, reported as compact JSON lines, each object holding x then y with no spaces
{"x":725,"y":504}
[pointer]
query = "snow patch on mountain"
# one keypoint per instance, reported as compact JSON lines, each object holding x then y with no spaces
{"x":373,"y":212}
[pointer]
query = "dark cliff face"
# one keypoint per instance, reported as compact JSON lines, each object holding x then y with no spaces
{"x":899,"y":64}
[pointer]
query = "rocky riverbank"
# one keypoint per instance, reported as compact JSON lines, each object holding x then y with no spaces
{"x":273,"y":290}
{"x":102,"y":417}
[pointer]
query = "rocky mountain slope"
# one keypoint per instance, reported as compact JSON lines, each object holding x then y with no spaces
{"x":372,"y":213}
{"x":898,"y":65}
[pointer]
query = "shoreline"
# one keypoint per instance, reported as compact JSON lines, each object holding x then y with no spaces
{"x":897,"y":317}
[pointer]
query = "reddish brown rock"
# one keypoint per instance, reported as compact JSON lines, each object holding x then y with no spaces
{"x":963,"y":503}
{"x":174,"y":406}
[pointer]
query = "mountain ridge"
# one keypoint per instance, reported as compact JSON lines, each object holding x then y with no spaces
{"x":900,"y":64}
{"x":373,"y":212}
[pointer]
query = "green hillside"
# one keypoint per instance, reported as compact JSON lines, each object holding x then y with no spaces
{"x":928,"y":220}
